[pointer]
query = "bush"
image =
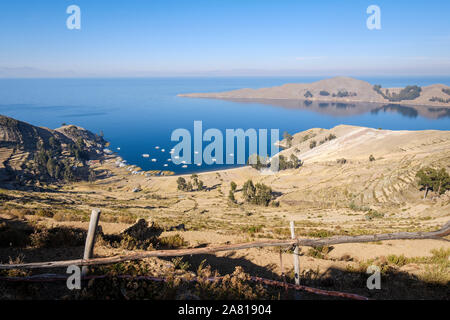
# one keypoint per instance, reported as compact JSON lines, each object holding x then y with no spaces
{"x":308,"y":94}
{"x":372,"y":214}
{"x":371,"y":158}
{"x":47,"y":213}
{"x":313,"y":144}
{"x":58,"y":237}
{"x":172,"y":242}
{"x":324,"y":93}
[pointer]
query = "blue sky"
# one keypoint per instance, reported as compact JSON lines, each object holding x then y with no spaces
{"x":224,"y":37}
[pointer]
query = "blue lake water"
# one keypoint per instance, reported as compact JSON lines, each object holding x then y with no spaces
{"x":141,"y":113}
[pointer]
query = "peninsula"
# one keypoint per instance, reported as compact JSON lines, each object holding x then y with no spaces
{"x":341,"y":90}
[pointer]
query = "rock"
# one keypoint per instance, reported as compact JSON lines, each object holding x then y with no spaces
{"x":178,"y":227}
{"x":141,"y":230}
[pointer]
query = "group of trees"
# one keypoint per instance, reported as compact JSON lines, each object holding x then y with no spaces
{"x":189,"y":186}
{"x":293,"y":163}
{"x":283,"y":163}
{"x":51,"y":164}
{"x":431,"y":179}
{"x":324,"y":93}
{"x":308,"y":94}
{"x":257,"y":162}
{"x":344,"y":93}
{"x":47,"y":163}
{"x":78,"y":150}
{"x":408,"y":93}
{"x":441,"y":100}
{"x":258,"y":194}
{"x":328,"y":138}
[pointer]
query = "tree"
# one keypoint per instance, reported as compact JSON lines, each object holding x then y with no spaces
{"x":371,"y":158}
{"x":231,"y":196}
{"x":313,"y":144}
{"x":233,"y":186}
{"x":432,"y":179}
{"x":288,"y":138}
{"x":263,"y":194}
{"x":442,"y":182}
{"x":296,"y":162}
{"x":181,"y":183}
{"x":249,"y":190}
{"x":68,"y":174}
{"x":92,"y":176}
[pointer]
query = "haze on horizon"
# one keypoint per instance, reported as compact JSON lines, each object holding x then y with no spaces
{"x":224,"y":38}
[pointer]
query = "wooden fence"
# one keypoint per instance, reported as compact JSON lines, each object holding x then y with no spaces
{"x":294,"y":241}
{"x":88,"y":261}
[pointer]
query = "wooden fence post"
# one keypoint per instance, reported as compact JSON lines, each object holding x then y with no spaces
{"x":295,"y":256}
{"x":90,"y":239}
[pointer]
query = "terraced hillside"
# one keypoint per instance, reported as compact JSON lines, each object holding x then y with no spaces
{"x":21,"y":143}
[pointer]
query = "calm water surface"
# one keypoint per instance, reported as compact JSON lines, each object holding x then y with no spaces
{"x":139,"y":114}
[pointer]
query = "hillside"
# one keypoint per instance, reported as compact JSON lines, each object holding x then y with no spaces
{"x":339,"y":89}
{"x":30,"y":153}
{"x":326,"y":196}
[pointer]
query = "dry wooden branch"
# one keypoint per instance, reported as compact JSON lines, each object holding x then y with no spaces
{"x":445,"y":231}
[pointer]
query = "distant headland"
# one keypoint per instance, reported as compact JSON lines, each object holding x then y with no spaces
{"x":342,"y":89}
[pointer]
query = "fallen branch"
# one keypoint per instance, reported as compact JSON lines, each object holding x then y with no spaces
{"x":444,"y":231}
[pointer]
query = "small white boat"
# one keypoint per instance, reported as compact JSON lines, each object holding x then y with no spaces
{"x":171,"y":151}
{"x":185,"y":166}
{"x":157,"y":147}
{"x":177,"y":157}
{"x":166,"y":165}
{"x":153,"y":160}
{"x":231,"y":155}
{"x":199,"y":164}
{"x":118,"y":148}
{"x":196,"y":152}
{"x":183,"y":161}
{"x":169,"y":160}
{"x":214,"y":159}
{"x":145,"y":155}
{"x":163,"y":150}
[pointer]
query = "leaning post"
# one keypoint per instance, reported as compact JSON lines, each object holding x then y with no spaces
{"x":90,"y":239}
{"x":295,"y":256}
